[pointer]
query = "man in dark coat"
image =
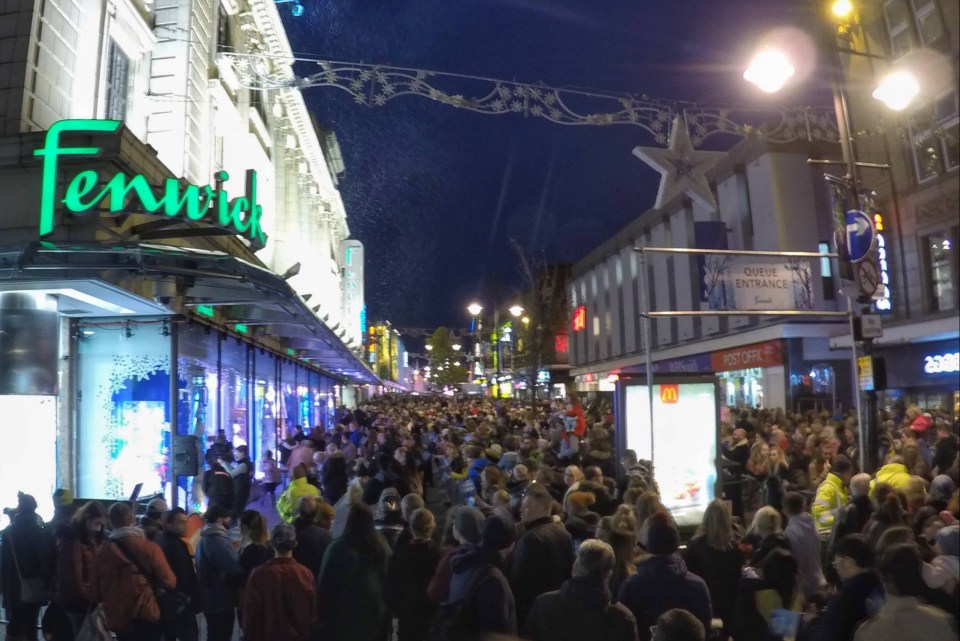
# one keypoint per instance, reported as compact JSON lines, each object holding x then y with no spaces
{"x":242,"y":473}
{"x":543,"y":557}
{"x":861,"y":593}
{"x":581,"y":609}
{"x":175,"y":550}
{"x":851,"y":518}
{"x":333,"y":476}
{"x":28,"y":552}
{"x":477,"y":578}
{"x":312,"y":540}
{"x":217,"y":484}
{"x":663,"y":582}
{"x":408,"y":575}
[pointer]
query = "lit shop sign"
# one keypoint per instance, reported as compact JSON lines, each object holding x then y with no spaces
{"x":83,"y":194}
{"x":947,"y":363}
{"x":580,"y":319}
{"x":882,"y":303}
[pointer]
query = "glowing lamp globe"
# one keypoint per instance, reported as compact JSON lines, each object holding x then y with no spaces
{"x":769,"y":70}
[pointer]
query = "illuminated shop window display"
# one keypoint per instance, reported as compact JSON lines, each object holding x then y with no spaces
{"x":28,"y":458}
{"x":123,"y":435}
{"x":682,"y":443}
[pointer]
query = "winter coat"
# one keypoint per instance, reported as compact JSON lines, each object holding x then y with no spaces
{"x":945,"y":453}
{"x":333,"y":477}
{"x":36,"y":555}
{"x":289,"y":501}
{"x":279,"y":602}
{"x":900,"y":614}
{"x":661,"y":583}
{"x":350,"y":593}
{"x":218,"y":487}
{"x":76,"y":572}
{"x":253,"y":556}
{"x":769,"y":544}
{"x":408,"y":575}
{"x":177,"y":554}
{"x":151,"y":528}
{"x":341,"y":510}
{"x":541,"y":561}
{"x":831,"y":496}
{"x":756,"y":601}
{"x":859,"y":598}
{"x":218,"y":569}
{"x":271,"y":471}
{"x":720,"y":570}
{"x":804,"y":540}
{"x":476,"y":571}
{"x":893,"y":474}
{"x":580,"y":611}
{"x":241,"y":484}
{"x":851,"y":519}
{"x":438,"y":591}
{"x":121,"y":587}
{"x":582,"y":527}
{"x":312,"y":542}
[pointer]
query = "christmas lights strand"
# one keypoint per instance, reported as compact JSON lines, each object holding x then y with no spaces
{"x":376,"y":85}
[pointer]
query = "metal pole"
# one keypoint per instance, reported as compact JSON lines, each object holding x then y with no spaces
{"x":645,"y":306}
{"x":497,"y":353}
{"x":174,"y":411}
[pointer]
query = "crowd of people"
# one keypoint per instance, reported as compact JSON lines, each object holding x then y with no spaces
{"x":442,"y":519}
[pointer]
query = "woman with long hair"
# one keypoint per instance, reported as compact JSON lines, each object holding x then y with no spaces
{"x":766,"y":534}
{"x":351,"y":581}
{"x":648,"y":504}
{"x":714,"y":555}
{"x":76,"y":561}
{"x":624,"y":544}
{"x":254,"y":537}
{"x":758,"y":465}
{"x":341,"y":508}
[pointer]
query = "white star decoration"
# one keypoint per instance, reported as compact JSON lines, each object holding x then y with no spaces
{"x":681,"y":167}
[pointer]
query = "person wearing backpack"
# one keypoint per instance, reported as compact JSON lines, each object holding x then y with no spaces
{"x":27,"y":567}
{"x":480,"y":597}
{"x":581,"y":610}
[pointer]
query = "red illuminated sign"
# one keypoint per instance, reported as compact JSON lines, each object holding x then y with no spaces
{"x":669,"y":393}
{"x":560,"y":343}
{"x":580,"y":319}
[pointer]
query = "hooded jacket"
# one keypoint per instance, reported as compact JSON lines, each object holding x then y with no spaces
{"x":121,"y":587}
{"x":290,"y":499}
{"x":476,"y":570}
{"x":218,"y":569}
{"x":661,"y":583}
{"x":580,"y":611}
{"x":542,"y":560}
{"x":893,"y":474}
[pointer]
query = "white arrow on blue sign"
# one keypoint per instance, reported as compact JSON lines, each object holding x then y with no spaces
{"x":860,"y":235}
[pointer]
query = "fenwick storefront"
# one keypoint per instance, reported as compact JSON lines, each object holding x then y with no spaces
{"x":132,"y":313}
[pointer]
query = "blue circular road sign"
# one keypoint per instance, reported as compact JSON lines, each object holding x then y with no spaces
{"x":860,"y":235}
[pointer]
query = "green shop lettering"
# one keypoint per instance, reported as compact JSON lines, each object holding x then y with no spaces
{"x":121,"y":193}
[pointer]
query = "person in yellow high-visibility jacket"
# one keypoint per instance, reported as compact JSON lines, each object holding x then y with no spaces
{"x":832,"y":493}
{"x":289,"y":501}
{"x":894,"y":474}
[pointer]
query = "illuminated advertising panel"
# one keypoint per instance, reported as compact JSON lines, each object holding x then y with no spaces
{"x":682,"y":443}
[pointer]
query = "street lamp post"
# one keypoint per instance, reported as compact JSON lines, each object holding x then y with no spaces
{"x":770,"y":70}
{"x":474,"y":310}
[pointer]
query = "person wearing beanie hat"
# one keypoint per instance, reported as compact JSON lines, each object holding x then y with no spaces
{"x":465,"y":525}
{"x":943,"y":572}
{"x":941,"y":489}
{"x":150,"y":522}
{"x":582,"y":605}
{"x":663,"y":582}
{"x":477,"y":579}
{"x":279,"y":601}
{"x":508,"y":461}
{"x":63,"y":511}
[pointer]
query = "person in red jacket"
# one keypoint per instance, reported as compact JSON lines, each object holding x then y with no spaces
{"x":575,"y":428}
{"x":125,"y":592}
{"x":280,"y":600}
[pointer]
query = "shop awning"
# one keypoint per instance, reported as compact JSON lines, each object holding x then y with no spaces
{"x":168,"y":279}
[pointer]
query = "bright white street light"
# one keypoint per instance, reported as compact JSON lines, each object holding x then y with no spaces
{"x":769,"y":70}
{"x":842,"y":8}
{"x":456,"y":347}
{"x":475,"y":309}
{"x":515,"y":311}
{"x":456,"y":363}
{"x":897,"y":90}
{"x":429,"y":348}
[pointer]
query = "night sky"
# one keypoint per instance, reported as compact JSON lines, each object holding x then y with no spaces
{"x":436,"y":194}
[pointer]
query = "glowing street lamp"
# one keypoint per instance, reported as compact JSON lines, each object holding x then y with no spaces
{"x":429,"y":348}
{"x":456,"y":347}
{"x":516,"y":311}
{"x":770,"y":70}
{"x":842,"y":8}
{"x":897,"y":90}
{"x":474,"y":309}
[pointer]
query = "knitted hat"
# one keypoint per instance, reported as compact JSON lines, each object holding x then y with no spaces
{"x":662,"y":535}
{"x":62,"y":498}
{"x":942,"y":487}
{"x":948,"y":539}
{"x":498,"y":532}
{"x":468,"y":521}
{"x":156,"y":507}
{"x":581,"y":500}
{"x":284,"y":537}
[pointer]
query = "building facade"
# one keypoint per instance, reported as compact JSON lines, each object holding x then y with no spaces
{"x":170,"y":252}
{"x":919,"y":196}
{"x":767,"y":197}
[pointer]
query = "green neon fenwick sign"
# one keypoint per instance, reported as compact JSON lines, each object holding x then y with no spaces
{"x":121,"y":193}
